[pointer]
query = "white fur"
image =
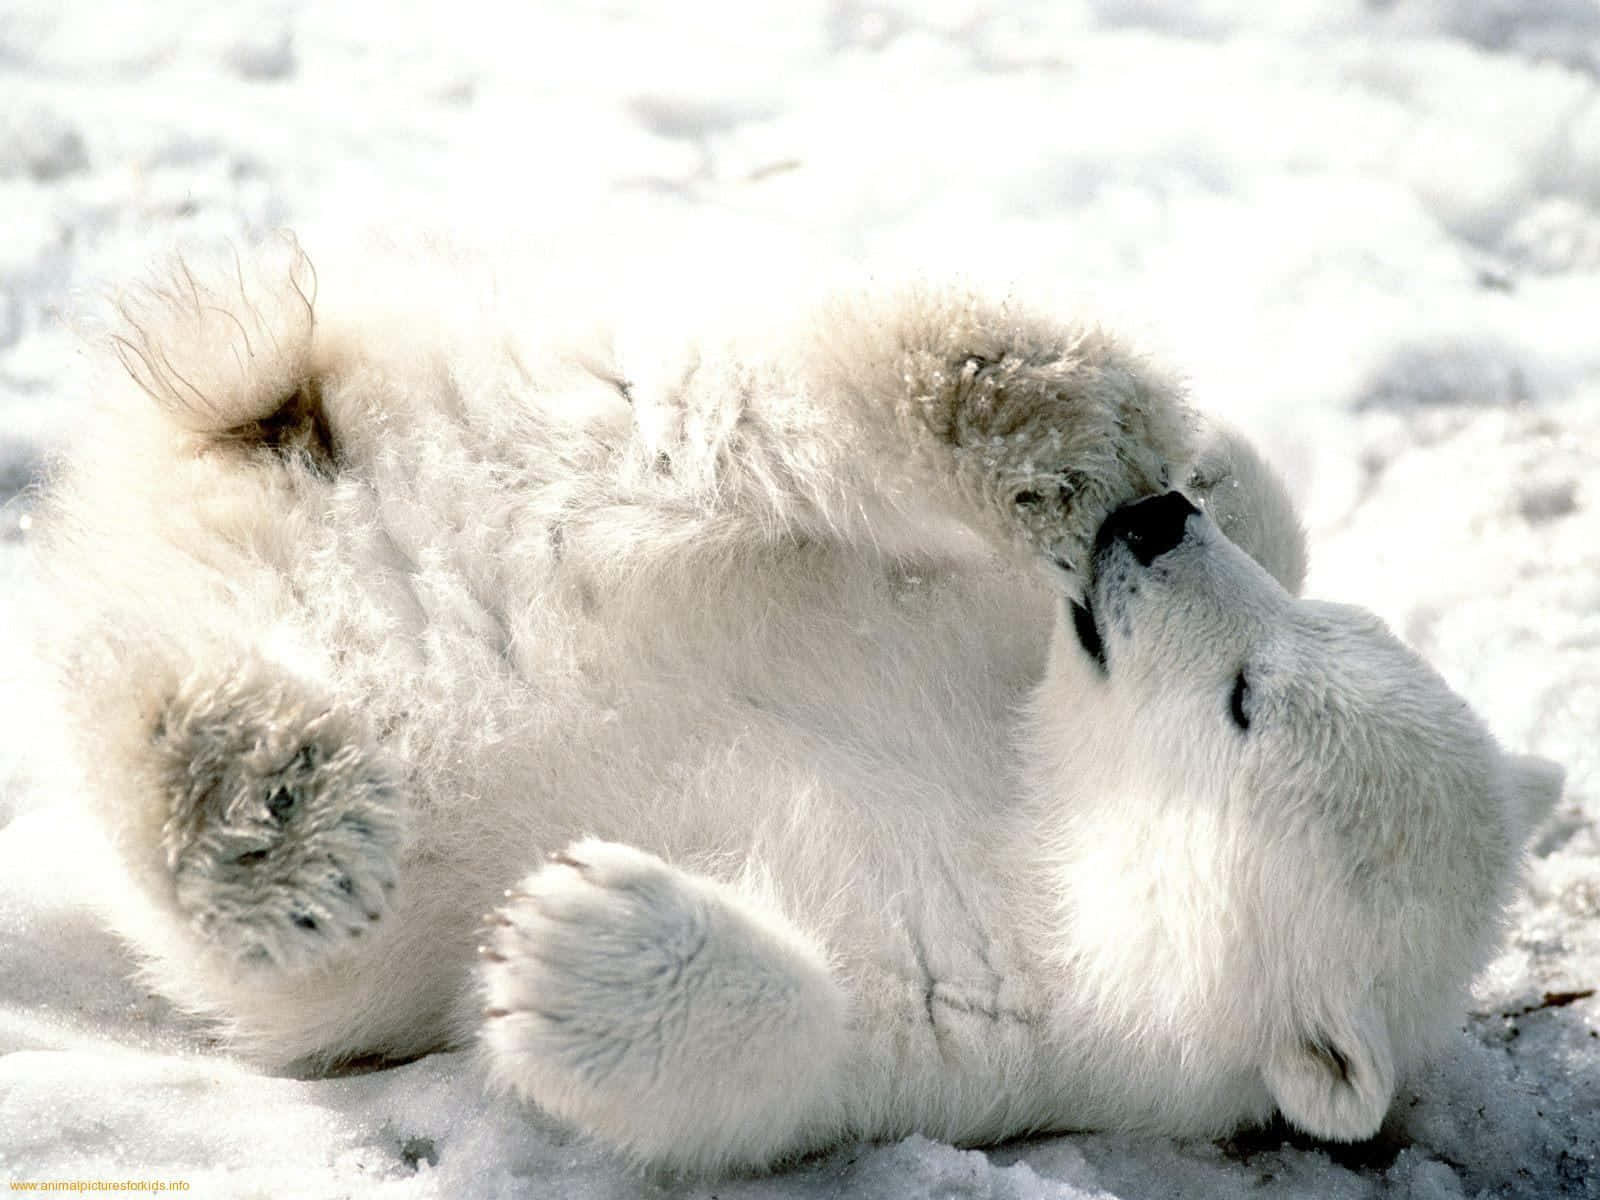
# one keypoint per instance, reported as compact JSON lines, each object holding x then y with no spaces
{"x":766,"y":637}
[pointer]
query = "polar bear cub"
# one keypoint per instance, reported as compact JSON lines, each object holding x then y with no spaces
{"x":835,"y":731}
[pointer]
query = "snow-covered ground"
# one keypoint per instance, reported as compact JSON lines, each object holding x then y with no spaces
{"x":1369,"y":231}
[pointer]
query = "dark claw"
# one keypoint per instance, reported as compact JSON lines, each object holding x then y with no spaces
{"x":280,"y":804}
{"x":566,"y":860}
{"x":495,"y":1013}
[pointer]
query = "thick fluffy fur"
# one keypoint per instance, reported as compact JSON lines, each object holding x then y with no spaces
{"x":751,"y":667}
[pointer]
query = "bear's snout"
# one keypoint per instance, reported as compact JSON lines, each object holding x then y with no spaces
{"x":1149,"y":527}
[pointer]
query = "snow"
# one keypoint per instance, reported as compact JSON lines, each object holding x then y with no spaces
{"x":1369,"y":231}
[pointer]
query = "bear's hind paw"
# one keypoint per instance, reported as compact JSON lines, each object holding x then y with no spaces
{"x":660,"y":1010}
{"x":284,"y":831}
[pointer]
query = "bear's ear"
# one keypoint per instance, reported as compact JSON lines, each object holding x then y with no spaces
{"x":1533,"y":785}
{"x":1335,"y":1081}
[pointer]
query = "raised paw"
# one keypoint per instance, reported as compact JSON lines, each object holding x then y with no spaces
{"x":283,"y":830}
{"x":1052,"y":437}
{"x":659,"y":1009}
{"x":1036,"y":430}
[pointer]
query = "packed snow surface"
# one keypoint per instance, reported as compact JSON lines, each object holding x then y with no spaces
{"x":1368,"y":231}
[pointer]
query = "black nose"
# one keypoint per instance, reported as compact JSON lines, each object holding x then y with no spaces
{"x":1148,"y":527}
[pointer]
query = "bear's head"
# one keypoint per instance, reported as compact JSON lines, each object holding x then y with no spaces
{"x":1315,"y":834}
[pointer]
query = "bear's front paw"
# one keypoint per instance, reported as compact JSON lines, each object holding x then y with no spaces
{"x":658,"y":1009}
{"x":1047,"y":428}
{"x":283,"y":832}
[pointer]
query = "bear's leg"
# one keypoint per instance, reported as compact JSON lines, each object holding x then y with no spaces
{"x":276,"y":822}
{"x":672,"y":1016}
{"x":1031,"y":434}
{"x":1026,"y":431}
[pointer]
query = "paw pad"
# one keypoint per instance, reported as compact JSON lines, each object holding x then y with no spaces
{"x":284,"y":828}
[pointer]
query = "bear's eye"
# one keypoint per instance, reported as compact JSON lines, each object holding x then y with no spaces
{"x":1241,"y":691}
